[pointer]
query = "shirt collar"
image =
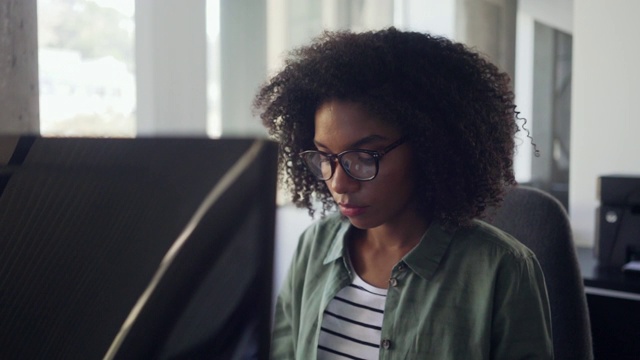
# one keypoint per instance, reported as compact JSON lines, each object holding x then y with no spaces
{"x":424,"y":259}
{"x":337,"y":247}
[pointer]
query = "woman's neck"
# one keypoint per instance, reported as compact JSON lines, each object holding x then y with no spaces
{"x":374,"y":252}
{"x":399,"y":235}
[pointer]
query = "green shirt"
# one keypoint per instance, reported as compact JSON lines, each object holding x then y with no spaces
{"x":473,"y":293}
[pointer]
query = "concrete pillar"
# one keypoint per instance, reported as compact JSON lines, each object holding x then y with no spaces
{"x":490,"y":27}
{"x":19,"y":102}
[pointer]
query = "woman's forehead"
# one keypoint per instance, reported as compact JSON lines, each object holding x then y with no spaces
{"x":338,"y":115}
{"x":341,"y":125}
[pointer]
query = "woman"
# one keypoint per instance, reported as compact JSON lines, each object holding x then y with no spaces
{"x":412,"y":138}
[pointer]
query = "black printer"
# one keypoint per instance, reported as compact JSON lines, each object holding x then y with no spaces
{"x":618,"y":220}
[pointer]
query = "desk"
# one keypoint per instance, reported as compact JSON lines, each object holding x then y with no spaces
{"x":606,"y":281}
{"x":614,"y":308}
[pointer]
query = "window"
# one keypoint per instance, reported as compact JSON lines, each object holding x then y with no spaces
{"x":95,"y":81}
{"x":86,"y":68}
{"x":551,"y":115}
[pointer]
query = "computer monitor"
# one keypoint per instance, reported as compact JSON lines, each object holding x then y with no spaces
{"x":152,"y":248}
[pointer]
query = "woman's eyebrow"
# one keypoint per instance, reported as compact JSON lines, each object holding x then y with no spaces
{"x":362,"y":142}
{"x":368,"y":140}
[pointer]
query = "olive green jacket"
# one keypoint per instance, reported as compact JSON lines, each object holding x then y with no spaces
{"x":473,"y":293}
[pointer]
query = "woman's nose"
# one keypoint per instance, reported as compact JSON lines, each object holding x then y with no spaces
{"x":341,"y":182}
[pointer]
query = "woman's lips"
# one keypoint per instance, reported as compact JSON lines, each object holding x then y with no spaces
{"x":349,"y":210}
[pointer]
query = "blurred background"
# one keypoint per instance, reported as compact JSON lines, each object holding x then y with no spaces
{"x":125,"y":68}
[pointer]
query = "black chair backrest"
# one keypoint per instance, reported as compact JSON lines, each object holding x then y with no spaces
{"x":541,"y":223}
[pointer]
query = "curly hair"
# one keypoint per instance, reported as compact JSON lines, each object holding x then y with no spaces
{"x":454,"y":107}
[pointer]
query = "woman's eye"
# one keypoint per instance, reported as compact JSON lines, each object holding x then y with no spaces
{"x":366,"y":159}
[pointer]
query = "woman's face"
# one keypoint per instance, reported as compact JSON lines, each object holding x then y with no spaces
{"x":388,"y":198}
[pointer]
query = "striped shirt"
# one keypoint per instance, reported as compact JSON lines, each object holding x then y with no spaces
{"x":352,"y":322}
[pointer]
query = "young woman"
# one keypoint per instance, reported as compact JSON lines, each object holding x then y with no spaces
{"x":411,"y":136}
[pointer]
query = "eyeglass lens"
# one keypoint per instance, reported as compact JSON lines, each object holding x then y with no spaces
{"x":358,"y":164}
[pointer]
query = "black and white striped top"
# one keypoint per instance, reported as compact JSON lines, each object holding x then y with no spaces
{"x":352,"y":322}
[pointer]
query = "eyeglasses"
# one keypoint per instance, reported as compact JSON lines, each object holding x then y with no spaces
{"x":362,"y":165}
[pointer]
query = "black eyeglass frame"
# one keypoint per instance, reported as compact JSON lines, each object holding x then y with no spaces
{"x":337,"y":158}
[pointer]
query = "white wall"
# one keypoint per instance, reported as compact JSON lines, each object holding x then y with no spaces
{"x":523,"y":89}
{"x":605,"y":125}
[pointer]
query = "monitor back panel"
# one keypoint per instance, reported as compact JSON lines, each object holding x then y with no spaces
{"x":86,"y":223}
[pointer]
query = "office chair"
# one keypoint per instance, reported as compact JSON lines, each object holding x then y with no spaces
{"x":541,"y":223}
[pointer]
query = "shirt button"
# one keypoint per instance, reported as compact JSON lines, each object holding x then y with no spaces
{"x":393,"y":282}
{"x":386,"y":344}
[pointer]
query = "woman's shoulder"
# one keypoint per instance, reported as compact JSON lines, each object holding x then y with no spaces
{"x":484,"y":236}
{"x":329,"y":222}
{"x":327,"y":225}
{"x":323,"y":233}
